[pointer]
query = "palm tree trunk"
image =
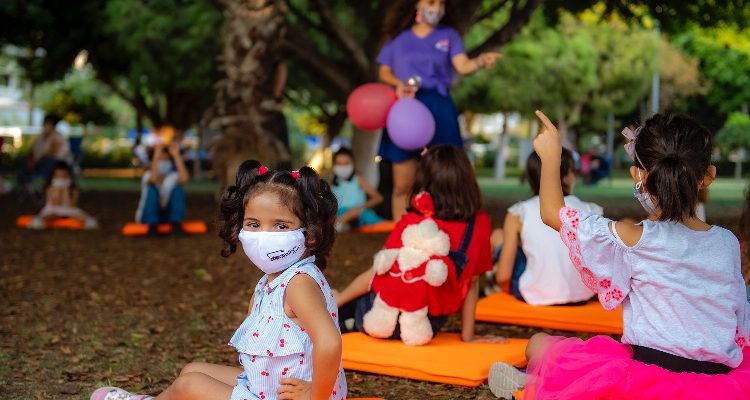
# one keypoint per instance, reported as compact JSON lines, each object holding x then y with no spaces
{"x":245,"y":101}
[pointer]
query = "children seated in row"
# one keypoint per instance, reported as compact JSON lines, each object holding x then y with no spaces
{"x":445,"y":173}
{"x":356,"y":197}
{"x":61,"y":199}
{"x":532,"y":260}
{"x":685,"y":315}
{"x":289,"y":344}
{"x":162,"y":197}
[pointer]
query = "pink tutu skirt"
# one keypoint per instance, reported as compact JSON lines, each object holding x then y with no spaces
{"x":601,"y":368}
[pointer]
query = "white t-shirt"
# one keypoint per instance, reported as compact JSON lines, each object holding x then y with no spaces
{"x":43,"y":144}
{"x":550,"y":277}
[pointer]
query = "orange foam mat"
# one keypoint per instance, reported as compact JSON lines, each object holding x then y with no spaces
{"x":505,"y":309}
{"x":60,"y":223}
{"x":196,"y":227}
{"x":446,"y":359}
{"x":380,"y":227}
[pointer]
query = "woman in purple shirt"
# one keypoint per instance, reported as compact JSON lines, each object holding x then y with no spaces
{"x":419,"y":44}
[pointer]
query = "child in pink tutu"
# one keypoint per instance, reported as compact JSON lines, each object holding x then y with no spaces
{"x":686,"y":319}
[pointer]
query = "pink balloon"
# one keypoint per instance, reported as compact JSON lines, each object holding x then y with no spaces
{"x":368,"y":105}
{"x":411,"y":125}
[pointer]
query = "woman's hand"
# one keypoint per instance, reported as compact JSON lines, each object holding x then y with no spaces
{"x":488,"y":60}
{"x":294,"y":389}
{"x":400,"y":89}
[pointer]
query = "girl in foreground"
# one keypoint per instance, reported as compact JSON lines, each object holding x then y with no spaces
{"x":289,"y":344}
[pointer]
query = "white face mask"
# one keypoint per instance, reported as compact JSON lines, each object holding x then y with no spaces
{"x":164,"y":167}
{"x":343,"y":171}
{"x":432,"y":15}
{"x":273,"y":252}
{"x":60,"y":183}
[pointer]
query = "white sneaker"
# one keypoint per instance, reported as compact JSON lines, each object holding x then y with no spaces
{"x":90,"y":223}
{"x":505,"y":380}
{"x":37,"y":223}
{"x":115,"y":393}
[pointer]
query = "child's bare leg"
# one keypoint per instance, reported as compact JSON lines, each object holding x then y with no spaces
{"x":536,"y":345}
{"x":196,"y":386}
{"x":359,"y":286}
{"x":222,"y":373}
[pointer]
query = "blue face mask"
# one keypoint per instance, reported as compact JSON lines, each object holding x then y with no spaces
{"x":643,"y":196}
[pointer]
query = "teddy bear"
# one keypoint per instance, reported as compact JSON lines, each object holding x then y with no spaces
{"x":407,"y":275}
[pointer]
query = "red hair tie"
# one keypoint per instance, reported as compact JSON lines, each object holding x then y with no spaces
{"x":262,"y":170}
{"x":295,"y":174}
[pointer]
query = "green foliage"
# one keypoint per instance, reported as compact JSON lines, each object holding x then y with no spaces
{"x":726,"y":67}
{"x":168,"y":45}
{"x":78,"y":99}
{"x":75,"y":110}
{"x":736,"y":132}
{"x":160,"y":55}
{"x":600,"y":66}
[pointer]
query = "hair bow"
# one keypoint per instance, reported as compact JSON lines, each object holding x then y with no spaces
{"x":295,"y":174}
{"x":262,"y":170}
{"x":631,"y":135}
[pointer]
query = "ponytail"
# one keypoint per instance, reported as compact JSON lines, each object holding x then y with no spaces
{"x":676,"y":152}
{"x":675,"y":187}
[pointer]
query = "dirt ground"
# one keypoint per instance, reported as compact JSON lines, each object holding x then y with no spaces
{"x":81,"y":309}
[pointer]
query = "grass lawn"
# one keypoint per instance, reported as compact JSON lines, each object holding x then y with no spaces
{"x":724,"y":192}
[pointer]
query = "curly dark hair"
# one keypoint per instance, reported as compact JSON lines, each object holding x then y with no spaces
{"x":445,"y":172}
{"x":676,"y":152}
{"x":309,"y":197}
{"x":402,"y":15}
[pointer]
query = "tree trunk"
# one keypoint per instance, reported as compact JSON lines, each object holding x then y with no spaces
{"x":31,"y":103}
{"x":245,"y":100}
{"x":502,"y":147}
{"x":741,"y":154}
{"x":365,"y":148}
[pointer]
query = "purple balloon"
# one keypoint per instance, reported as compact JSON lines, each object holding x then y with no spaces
{"x":411,"y":125}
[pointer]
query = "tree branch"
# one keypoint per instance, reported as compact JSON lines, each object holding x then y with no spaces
{"x":305,"y":19}
{"x":318,"y":65}
{"x":519,"y":17}
{"x":343,"y":37}
{"x":489,"y":13}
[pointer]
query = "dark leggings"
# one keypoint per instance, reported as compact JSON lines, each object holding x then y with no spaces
{"x":358,"y":307}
